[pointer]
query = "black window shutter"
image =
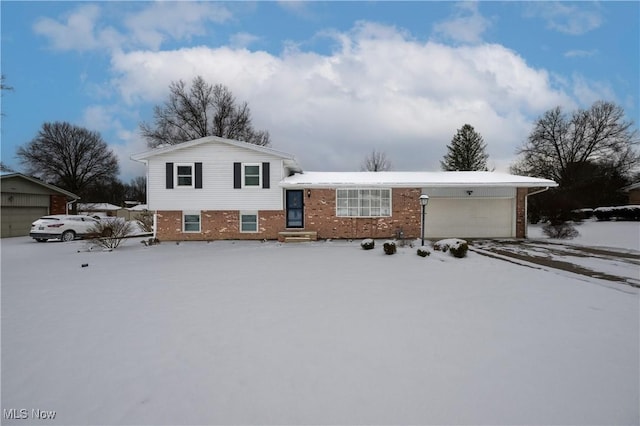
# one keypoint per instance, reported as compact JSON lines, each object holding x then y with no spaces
{"x":266,"y":180}
{"x":169,"y":175}
{"x":198,"y":175}
{"x":237,"y":175}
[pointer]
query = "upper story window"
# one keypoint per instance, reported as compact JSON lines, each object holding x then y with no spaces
{"x":363,"y":202}
{"x":251,"y":175}
{"x":184,"y":175}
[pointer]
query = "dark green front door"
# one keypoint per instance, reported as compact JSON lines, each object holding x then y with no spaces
{"x":295,"y":208}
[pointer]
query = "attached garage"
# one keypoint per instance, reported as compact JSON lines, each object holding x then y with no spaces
{"x":25,"y":199}
{"x":470,"y":212}
{"x":477,"y":218}
{"x":461,"y":204}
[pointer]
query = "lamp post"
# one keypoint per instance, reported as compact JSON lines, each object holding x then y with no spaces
{"x":424,"y":200}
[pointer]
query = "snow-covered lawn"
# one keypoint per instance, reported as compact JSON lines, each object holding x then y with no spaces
{"x":323,"y":333}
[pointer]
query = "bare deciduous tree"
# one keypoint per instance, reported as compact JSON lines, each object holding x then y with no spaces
{"x":69,"y":156}
{"x":376,"y":161}
{"x":202,"y":110}
{"x":560,"y":143}
{"x":3,"y":88}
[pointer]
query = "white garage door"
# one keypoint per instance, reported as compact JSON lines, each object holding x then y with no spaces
{"x":477,"y":218}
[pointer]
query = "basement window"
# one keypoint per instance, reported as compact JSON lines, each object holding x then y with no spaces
{"x":191,"y":222}
{"x":248,"y":222}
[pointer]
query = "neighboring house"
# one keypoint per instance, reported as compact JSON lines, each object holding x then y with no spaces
{"x":633,"y":193}
{"x":214,"y":188}
{"x":100,"y":209}
{"x":25,"y":199}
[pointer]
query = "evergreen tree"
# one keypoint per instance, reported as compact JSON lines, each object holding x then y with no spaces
{"x":466,"y":151}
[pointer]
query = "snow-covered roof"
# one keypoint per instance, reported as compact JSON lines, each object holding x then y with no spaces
{"x":631,"y":187}
{"x":413,"y":179}
{"x":139,"y":208}
{"x":97,"y":207}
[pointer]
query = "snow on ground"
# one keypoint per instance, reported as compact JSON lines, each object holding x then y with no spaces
{"x":323,"y":333}
{"x":625,"y":235}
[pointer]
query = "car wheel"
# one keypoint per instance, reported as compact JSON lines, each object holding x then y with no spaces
{"x":41,"y":240}
{"x":107,"y":232}
{"x":68,"y":236}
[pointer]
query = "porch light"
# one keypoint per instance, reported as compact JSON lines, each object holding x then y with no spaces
{"x":424,"y":200}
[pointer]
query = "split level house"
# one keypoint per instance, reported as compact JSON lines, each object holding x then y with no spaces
{"x":214,"y":189}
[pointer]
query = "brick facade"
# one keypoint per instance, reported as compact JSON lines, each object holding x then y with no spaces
{"x":219,"y":225}
{"x":320,"y":216}
{"x":57,"y":204}
{"x":521,"y":212}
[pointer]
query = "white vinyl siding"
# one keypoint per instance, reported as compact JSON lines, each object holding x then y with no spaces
{"x":217,"y":191}
{"x":357,"y":202}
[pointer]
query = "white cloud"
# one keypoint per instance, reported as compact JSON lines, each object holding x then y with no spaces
{"x":173,"y":20}
{"x":380,"y":89}
{"x":148,"y":28}
{"x":466,"y":26}
{"x":569,"y":18}
{"x":78,"y":31}
{"x":242,"y":40}
{"x":588,"y":92}
{"x":580,"y":53}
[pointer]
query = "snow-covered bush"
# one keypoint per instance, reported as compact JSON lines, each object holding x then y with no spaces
{"x":367,"y":244}
{"x":455,"y":246}
{"x":620,"y":213}
{"x":423,"y":252}
{"x":389,"y":247}
{"x":109,"y":234}
{"x":561,"y":230}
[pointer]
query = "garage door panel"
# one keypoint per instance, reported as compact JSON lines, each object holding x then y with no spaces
{"x":477,"y":218}
{"x":16,"y":221}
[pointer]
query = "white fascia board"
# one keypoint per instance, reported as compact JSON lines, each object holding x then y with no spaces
{"x":167,"y":149}
{"x":412,"y":180}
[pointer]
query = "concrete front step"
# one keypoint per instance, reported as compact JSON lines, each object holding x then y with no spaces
{"x":297,"y":236}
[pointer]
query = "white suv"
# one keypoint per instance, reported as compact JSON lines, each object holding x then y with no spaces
{"x":62,"y":227}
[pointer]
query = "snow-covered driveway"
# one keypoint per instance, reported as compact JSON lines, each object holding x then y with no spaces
{"x":263,"y":333}
{"x":610,"y":264}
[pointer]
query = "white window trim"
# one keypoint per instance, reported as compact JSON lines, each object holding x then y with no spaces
{"x":184,"y":222}
{"x":248,"y":213}
{"x":367,"y":189}
{"x":259,"y":185}
{"x":175,"y":175}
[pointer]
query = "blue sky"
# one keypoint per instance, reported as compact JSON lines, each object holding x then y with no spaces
{"x":330,"y":81}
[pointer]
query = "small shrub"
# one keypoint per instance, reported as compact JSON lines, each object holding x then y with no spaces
{"x":423,"y":252}
{"x":109,"y":234}
{"x":457,"y":247}
{"x":368,"y":244}
{"x":145,"y":221}
{"x":561,"y":230}
{"x":389,"y":247}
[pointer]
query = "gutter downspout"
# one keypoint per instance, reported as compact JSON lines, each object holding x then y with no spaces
{"x":526,"y":207}
{"x":66,"y":206}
